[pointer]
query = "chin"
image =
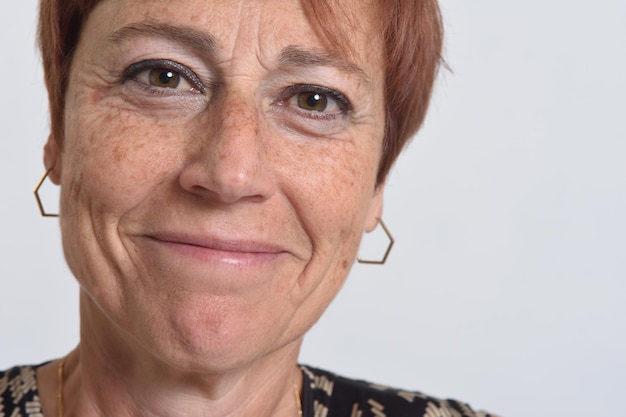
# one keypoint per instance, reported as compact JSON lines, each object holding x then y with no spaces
{"x":211,"y":337}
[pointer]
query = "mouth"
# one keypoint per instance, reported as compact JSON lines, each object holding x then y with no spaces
{"x":240,"y":252}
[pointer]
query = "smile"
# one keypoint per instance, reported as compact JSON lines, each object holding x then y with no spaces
{"x":218,"y":251}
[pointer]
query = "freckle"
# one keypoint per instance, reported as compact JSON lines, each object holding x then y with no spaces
{"x":97,"y":96}
{"x":118,"y":154}
{"x":344,"y":264}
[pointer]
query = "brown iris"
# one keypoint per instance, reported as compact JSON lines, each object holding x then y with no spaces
{"x":164,"y":78}
{"x":312,"y":101}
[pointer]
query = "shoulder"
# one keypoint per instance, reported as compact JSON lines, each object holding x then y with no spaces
{"x":18,"y":392}
{"x":330,"y":395}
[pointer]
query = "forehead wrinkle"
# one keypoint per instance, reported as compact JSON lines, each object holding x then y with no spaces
{"x":197,"y":40}
{"x":298,"y":56}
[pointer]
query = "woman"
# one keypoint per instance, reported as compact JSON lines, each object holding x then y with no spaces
{"x":218,"y":163}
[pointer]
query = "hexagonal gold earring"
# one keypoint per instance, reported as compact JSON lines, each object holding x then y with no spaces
{"x":384,"y":258}
{"x":39,"y":203}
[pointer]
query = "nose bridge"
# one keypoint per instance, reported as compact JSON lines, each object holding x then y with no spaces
{"x":237,"y":143}
{"x":237,"y":124}
{"x":229,"y":164}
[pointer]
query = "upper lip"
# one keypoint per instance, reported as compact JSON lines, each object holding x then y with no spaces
{"x":244,"y":245}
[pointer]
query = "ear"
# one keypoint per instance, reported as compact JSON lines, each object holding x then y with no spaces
{"x":52,"y":159}
{"x":376,"y":209}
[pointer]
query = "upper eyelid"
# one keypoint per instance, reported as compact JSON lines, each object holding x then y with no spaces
{"x":138,"y":67}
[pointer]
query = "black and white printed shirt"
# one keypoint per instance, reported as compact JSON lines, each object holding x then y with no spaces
{"x":323,"y":395}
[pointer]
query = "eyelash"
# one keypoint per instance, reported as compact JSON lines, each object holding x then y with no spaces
{"x":135,"y":69}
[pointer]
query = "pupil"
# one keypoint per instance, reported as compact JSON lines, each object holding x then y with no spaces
{"x":166,"y":77}
{"x":313,"y":100}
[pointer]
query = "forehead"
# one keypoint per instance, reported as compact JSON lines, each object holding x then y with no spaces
{"x":262,"y":28}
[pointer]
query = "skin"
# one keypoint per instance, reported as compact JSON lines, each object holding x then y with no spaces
{"x":209,"y":225}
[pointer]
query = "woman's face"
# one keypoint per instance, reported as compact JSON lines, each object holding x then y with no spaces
{"x":218,"y":170}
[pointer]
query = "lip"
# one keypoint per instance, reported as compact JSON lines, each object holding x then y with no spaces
{"x":214,"y":249}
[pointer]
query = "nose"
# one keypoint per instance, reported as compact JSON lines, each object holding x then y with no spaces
{"x":230,"y":164}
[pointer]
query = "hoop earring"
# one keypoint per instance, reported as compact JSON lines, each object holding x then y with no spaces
{"x":39,"y":203}
{"x":382,"y":261}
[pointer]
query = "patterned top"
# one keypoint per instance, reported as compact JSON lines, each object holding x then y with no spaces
{"x":324,"y":395}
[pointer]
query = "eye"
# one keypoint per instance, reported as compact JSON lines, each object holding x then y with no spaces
{"x":316,"y":100}
{"x":161,"y":75}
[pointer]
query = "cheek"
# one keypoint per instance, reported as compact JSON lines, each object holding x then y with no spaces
{"x":330,"y":187}
{"x":332,"y":183}
{"x":114,"y":159}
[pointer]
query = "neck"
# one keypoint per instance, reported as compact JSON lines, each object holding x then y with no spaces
{"x":112,"y":376}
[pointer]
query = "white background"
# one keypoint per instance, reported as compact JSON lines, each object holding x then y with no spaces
{"x":506,"y":287}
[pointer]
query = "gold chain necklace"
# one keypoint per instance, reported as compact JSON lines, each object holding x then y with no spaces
{"x":60,"y":388}
{"x":298,"y":400}
{"x":60,"y":392}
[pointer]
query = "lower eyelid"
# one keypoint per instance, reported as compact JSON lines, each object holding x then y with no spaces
{"x":142,"y":92}
{"x":290,"y":112}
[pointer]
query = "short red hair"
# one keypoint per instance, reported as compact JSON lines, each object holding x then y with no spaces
{"x":412,"y":33}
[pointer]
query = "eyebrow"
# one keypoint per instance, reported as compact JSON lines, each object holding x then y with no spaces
{"x":290,"y":56}
{"x":297,"y":56}
{"x":201,"y":41}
